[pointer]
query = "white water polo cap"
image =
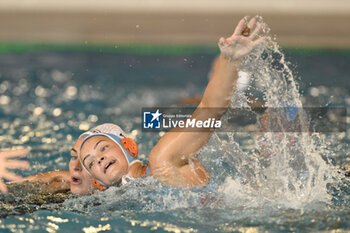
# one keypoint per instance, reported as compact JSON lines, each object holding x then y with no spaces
{"x":117,"y":135}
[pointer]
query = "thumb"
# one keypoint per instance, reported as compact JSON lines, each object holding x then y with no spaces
{"x":222,"y":41}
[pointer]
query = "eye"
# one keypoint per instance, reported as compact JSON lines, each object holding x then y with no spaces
{"x":104,"y":148}
{"x":73,"y":157}
{"x":91,"y":164}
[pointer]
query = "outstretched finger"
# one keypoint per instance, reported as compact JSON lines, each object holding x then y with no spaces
{"x":14,"y":153}
{"x":3,"y":187}
{"x":258,"y":41}
{"x":255,"y":32}
{"x":11,"y":176}
{"x":239,"y":28}
{"x":13,"y":164}
{"x":251,"y":23}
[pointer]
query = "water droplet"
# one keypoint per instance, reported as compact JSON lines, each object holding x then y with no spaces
{"x":57,"y":112}
{"x":4,"y":100}
{"x":24,"y":139}
{"x":84,"y":126}
{"x":71,"y":91}
{"x":59,"y":76}
{"x":314,"y":92}
{"x":69,"y":137}
{"x":26,"y":129}
{"x":81,"y":116}
{"x":38,"y":111}
{"x":93,"y":118}
{"x":40,"y":91}
{"x":4,"y":86}
{"x":134,"y":132}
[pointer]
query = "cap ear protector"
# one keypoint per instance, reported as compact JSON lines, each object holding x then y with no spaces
{"x":98,"y":185}
{"x":129,"y":148}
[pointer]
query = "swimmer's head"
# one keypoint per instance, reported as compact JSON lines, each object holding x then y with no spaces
{"x":106,"y":154}
{"x":80,"y":180}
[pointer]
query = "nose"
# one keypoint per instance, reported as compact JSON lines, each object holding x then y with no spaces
{"x":77,"y":165}
{"x":101,"y":159}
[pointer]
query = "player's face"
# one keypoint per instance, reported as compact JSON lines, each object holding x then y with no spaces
{"x":80,"y":179}
{"x":104,"y":159}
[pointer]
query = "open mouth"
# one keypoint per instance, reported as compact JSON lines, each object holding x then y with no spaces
{"x":76,"y":180}
{"x":108,"y":165}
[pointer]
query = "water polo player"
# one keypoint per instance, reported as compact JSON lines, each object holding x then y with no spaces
{"x":110,"y":157}
{"x":77,"y":180}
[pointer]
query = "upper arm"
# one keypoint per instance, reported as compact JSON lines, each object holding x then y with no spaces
{"x":180,"y":144}
{"x":190,"y":174}
{"x":175,"y":154}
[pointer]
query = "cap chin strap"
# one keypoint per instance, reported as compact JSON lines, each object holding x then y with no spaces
{"x":99,"y":185}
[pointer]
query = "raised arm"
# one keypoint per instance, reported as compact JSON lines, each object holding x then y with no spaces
{"x":174,"y":158}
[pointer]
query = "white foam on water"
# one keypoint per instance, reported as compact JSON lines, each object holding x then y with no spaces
{"x":288,"y":169}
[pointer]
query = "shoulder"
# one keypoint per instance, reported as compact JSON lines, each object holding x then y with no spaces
{"x":138,"y":169}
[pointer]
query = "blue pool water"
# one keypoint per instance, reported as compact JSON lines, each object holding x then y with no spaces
{"x":47,"y":99}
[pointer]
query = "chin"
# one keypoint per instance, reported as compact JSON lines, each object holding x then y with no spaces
{"x":77,"y":190}
{"x":113,"y":177}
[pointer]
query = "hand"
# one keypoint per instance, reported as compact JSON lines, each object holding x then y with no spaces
{"x":239,"y":45}
{"x":11,"y":164}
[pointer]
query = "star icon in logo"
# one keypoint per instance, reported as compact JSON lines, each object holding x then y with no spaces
{"x":156,"y":115}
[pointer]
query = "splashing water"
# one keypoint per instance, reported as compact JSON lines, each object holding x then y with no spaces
{"x":287,"y":168}
{"x":274,"y":181}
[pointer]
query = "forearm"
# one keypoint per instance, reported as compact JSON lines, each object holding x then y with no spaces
{"x":221,"y":85}
{"x":47,"y":177}
{"x":214,"y":104}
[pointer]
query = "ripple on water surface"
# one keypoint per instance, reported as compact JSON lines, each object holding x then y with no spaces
{"x":46,"y":102}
